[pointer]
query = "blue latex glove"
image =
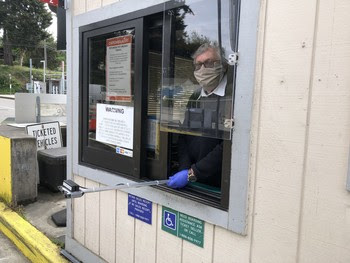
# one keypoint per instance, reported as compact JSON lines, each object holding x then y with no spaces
{"x":178,"y":180}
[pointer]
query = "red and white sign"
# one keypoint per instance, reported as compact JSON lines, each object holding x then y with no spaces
{"x":118,"y":68}
{"x":50,"y":2}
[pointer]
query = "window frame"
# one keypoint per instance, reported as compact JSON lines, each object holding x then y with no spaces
{"x":90,"y":156}
{"x":235,"y":219}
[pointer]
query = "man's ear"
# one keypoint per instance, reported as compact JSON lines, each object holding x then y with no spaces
{"x":224,"y":64}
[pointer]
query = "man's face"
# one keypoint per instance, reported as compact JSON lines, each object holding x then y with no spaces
{"x":209,"y":55}
{"x":208,"y":70}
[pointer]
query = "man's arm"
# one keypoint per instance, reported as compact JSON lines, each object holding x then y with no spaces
{"x":210,"y":164}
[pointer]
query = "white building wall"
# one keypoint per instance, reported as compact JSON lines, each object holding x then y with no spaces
{"x":299,"y":209}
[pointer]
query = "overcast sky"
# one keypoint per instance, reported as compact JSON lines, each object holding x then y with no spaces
{"x":53,"y":28}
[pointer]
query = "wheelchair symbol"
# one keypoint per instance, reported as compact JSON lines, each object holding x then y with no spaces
{"x":170,"y":220}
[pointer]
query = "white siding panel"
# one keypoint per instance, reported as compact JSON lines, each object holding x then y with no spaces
{"x":125,"y":240}
{"x":325,"y":234}
{"x":145,"y":239}
{"x":93,"y":4}
{"x":92,"y":218}
{"x":192,"y":253}
{"x":230,"y":247}
{"x":169,"y":247}
{"x":79,"y":7}
{"x":282,"y":126}
{"x":108,"y":2}
{"x":79,"y":214}
{"x":108,"y":225}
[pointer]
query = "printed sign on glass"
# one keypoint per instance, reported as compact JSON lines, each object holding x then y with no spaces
{"x":115,"y":125}
{"x":118,"y":68}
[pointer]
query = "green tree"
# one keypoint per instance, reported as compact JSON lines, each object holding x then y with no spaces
{"x":24,"y":24}
{"x":54,"y":57}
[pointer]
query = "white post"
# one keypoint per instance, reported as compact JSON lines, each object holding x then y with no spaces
{"x":44,"y":66}
{"x":10,"y":84}
{"x":62,"y":80}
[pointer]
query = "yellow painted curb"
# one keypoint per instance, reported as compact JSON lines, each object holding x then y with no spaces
{"x":30,"y":241}
{"x":5,"y":169}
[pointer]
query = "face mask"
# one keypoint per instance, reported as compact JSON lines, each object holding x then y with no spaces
{"x":209,"y":78}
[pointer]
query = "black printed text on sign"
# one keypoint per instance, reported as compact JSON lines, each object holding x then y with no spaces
{"x":48,"y":135}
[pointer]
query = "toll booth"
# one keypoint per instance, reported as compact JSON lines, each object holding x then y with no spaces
{"x":272,"y":188}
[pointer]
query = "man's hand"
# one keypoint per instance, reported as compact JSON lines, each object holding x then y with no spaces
{"x":178,"y":180}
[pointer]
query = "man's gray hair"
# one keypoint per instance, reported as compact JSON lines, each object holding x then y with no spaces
{"x":203,"y":48}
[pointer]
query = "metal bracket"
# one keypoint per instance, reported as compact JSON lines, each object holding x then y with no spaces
{"x":233,"y":59}
{"x":229,"y":123}
{"x":70,"y":189}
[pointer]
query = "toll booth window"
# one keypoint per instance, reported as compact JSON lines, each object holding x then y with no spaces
{"x":157,"y":96}
{"x":197,"y":94}
{"x":111,"y":91}
{"x":110,"y":121}
{"x":197,"y":91}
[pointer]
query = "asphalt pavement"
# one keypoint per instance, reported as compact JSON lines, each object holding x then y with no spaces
{"x":9,"y":253}
{"x":7,"y":108}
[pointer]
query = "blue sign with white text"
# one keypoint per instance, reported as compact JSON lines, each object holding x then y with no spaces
{"x":140,"y":208}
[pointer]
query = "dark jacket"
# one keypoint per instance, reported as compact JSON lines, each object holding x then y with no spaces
{"x":204,"y":154}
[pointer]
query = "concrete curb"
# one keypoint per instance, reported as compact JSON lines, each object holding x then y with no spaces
{"x":29,"y":240}
{"x":10,"y":97}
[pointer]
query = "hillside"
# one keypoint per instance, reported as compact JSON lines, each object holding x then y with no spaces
{"x":19,"y":77}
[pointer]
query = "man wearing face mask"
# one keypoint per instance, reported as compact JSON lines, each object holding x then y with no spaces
{"x":200,"y":158}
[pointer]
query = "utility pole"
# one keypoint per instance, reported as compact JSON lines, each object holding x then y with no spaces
{"x":45,"y":53}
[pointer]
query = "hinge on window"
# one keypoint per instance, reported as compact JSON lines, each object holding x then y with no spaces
{"x":233,"y":59}
{"x":229,"y":123}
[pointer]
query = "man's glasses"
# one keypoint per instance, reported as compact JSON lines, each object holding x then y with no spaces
{"x":207,"y":64}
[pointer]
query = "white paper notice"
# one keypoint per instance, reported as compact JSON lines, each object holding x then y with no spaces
{"x":118,"y":71}
{"x":115,"y":125}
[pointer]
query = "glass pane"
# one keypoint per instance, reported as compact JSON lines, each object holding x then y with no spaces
{"x":111,"y":89}
{"x":196,"y":95}
{"x":155,"y":31}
